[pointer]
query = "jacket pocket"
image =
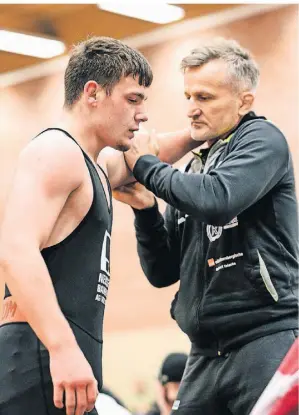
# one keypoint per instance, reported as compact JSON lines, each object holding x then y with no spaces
{"x":266,"y":278}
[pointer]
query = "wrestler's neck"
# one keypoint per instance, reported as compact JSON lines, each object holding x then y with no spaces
{"x":77,"y":125}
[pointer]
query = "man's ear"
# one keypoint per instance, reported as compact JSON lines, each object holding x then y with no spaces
{"x":93,"y":93}
{"x":247,"y":100}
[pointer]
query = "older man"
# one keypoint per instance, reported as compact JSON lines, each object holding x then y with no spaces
{"x":229,"y":235}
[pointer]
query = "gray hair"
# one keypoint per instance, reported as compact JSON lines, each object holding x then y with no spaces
{"x":243,"y":69}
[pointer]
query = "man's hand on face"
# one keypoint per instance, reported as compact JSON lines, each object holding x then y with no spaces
{"x":143,"y":143}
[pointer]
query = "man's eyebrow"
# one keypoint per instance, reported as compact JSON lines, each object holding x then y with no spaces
{"x":200,"y":92}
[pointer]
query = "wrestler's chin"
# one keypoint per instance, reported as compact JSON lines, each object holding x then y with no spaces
{"x":123,"y":147}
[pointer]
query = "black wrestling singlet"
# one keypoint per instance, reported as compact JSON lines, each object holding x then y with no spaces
{"x":79,"y":267}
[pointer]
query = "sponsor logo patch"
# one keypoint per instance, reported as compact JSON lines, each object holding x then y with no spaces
{"x":211,"y":262}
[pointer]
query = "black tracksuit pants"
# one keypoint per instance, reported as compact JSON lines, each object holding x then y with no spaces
{"x":231,"y":384}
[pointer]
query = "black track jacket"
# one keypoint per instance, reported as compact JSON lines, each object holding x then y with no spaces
{"x":229,"y":235}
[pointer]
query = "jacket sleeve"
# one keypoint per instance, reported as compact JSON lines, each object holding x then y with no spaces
{"x":157,"y":245}
{"x":258,"y":159}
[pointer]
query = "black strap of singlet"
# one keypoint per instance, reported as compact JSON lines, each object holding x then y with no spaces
{"x":63,"y":131}
{"x":85,"y":155}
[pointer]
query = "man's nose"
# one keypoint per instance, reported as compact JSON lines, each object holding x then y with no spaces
{"x":141,"y":117}
{"x":193,"y":110}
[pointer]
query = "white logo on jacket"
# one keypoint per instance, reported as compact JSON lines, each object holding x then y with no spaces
{"x":214,"y":232}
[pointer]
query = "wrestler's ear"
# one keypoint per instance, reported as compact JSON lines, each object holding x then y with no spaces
{"x":93,"y":93}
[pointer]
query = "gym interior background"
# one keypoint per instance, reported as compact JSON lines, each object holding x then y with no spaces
{"x":138,"y":330}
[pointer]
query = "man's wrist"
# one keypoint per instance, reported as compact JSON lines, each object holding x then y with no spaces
{"x":148,"y":218}
{"x":63,"y":338}
{"x":131,"y":160}
{"x":147,"y":208}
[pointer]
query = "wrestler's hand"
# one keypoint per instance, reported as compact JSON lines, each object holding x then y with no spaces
{"x":135,"y":195}
{"x":142,"y":143}
{"x":73,"y":380}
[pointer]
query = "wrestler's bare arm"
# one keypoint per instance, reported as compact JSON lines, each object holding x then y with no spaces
{"x":172,"y":147}
{"x":47,"y":172}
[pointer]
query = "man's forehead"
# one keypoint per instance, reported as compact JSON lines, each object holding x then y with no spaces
{"x":130,"y":85}
{"x":213,"y":74}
